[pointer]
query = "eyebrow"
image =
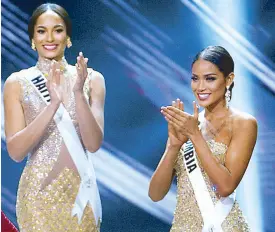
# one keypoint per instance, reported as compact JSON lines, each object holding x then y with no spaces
{"x":58,"y":25}
{"x":205,"y":75}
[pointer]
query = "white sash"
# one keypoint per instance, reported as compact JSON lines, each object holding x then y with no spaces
{"x":213,"y":215}
{"x":88,"y":190}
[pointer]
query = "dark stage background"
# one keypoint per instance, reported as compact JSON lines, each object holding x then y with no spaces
{"x":144,"y":49}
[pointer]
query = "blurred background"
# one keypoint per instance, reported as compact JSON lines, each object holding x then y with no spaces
{"x":144,"y":49}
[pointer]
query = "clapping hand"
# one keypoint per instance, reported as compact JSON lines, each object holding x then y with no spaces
{"x":53,"y":84}
{"x":183,"y":123}
{"x":175,"y":139}
{"x":82,"y":73}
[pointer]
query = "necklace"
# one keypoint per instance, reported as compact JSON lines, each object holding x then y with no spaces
{"x":209,"y":131}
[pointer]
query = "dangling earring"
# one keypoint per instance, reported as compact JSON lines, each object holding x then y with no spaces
{"x":227,"y":97}
{"x":33,"y":46}
{"x":69,"y":42}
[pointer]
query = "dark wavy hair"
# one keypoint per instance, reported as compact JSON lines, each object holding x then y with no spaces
{"x":220,"y":57}
{"x":55,"y":8}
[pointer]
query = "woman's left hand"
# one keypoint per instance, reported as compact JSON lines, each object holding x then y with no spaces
{"x":82,"y":73}
{"x":183,"y":122}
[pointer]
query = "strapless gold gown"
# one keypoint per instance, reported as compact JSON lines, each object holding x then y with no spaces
{"x":187,"y":216}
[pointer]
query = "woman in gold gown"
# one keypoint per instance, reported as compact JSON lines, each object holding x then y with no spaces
{"x":223,"y":144}
{"x":51,"y":180}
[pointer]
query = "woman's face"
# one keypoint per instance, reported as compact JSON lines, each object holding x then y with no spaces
{"x":208,"y":83}
{"x":50,"y":36}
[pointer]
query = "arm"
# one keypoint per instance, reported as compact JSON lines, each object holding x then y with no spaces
{"x":90,"y":116}
{"x":21,"y":139}
{"x":163,"y":176}
{"x":238,"y":155}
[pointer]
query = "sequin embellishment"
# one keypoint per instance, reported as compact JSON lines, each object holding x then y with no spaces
{"x":187,"y":217}
{"x":47,"y":206}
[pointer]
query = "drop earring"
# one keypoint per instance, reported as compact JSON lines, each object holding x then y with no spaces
{"x":33,"y":46}
{"x":227,"y":97}
{"x":69,"y":42}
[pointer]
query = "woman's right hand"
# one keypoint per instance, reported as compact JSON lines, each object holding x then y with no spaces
{"x":53,"y":84}
{"x":176,"y":139}
{"x":165,"y":172}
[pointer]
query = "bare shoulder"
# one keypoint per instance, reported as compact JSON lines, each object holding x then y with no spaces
{"x":15,"y":77}
{"x":243,"y":121}
{"x":12,"y":78}
{"x":95,"y":75}
{"x":96,"y":78}
{"x":12,"y":84}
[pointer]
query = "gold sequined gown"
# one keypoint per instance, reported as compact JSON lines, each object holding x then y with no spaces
{"x":50,"y":181}
{"x":187,"y":216}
